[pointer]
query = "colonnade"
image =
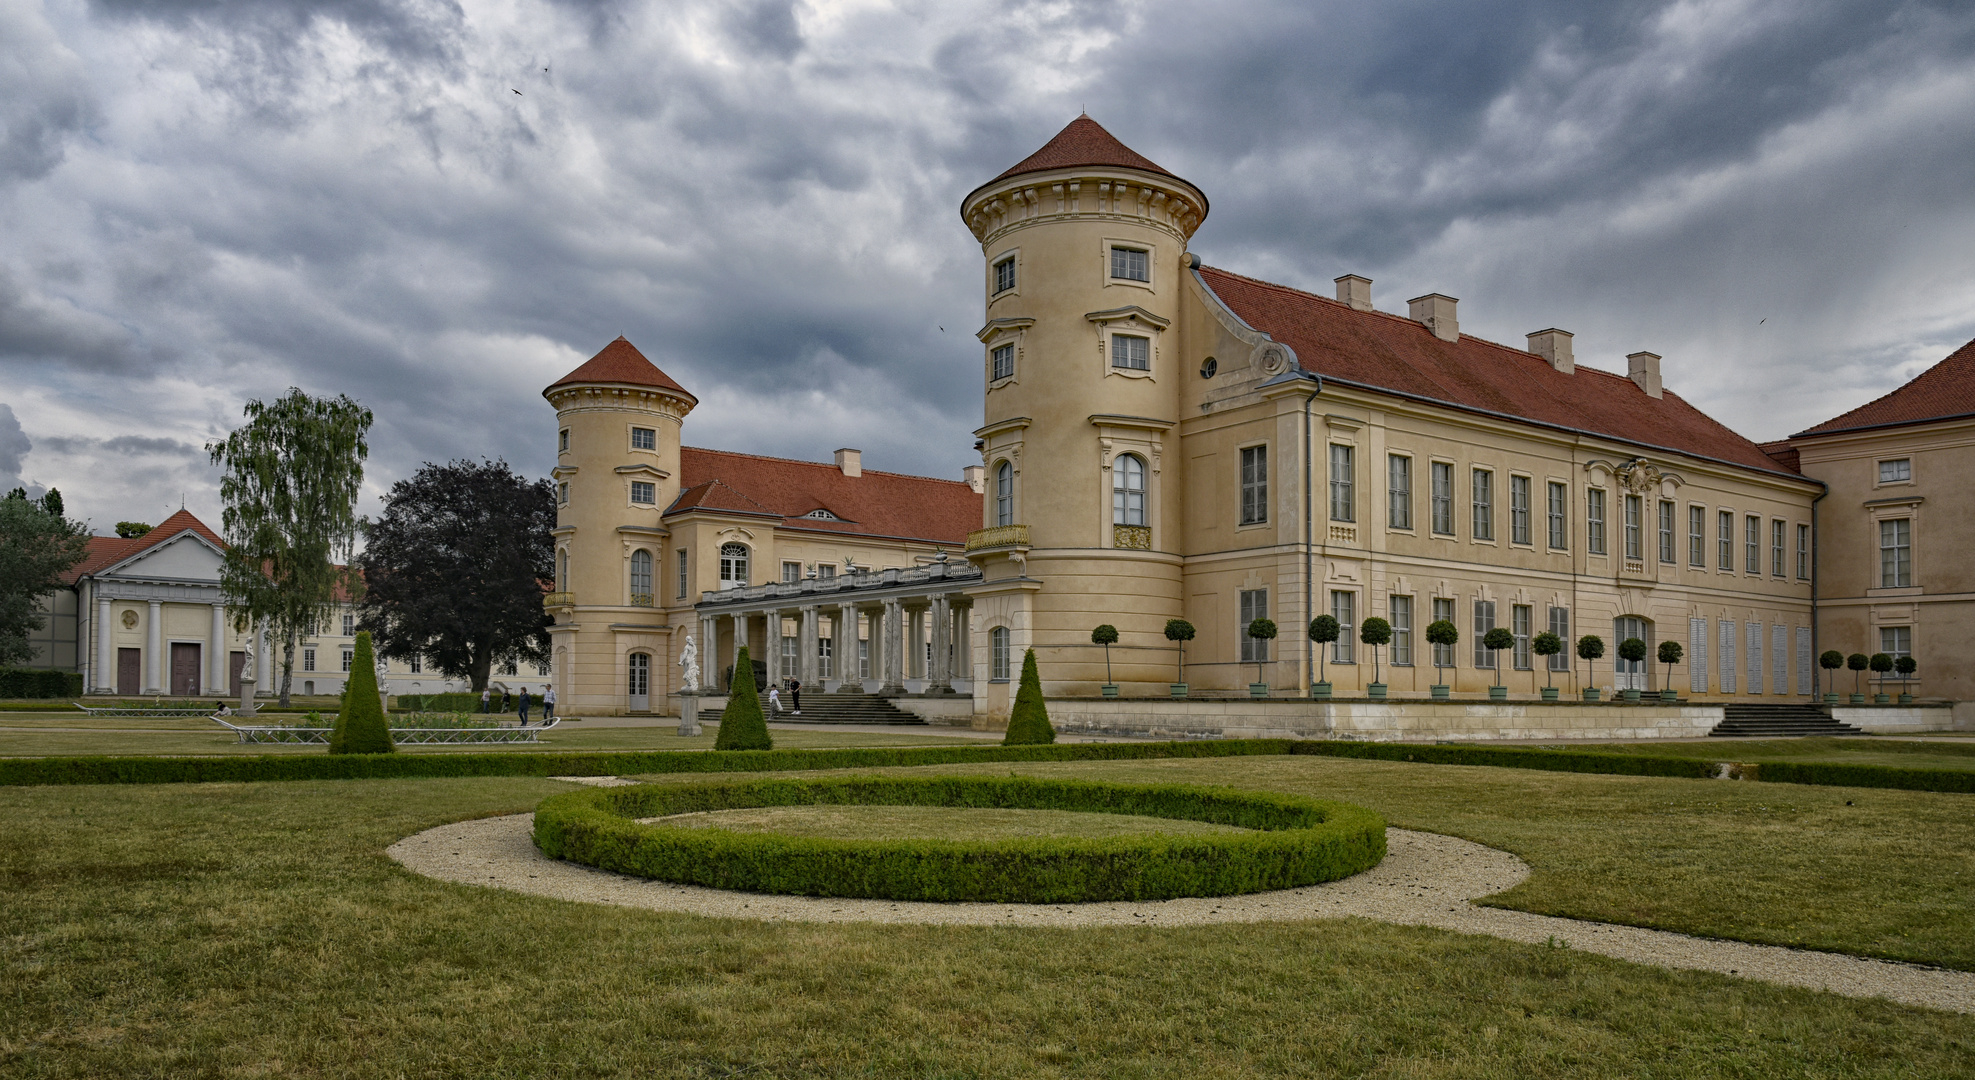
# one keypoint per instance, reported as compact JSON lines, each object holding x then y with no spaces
{"x":909,"y":638}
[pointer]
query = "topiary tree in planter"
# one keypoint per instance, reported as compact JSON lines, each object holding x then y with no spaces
{"x":1546,"y":645}
{"x":1028,"y":722}
{"x":1830,"y":660}
{"x":742,"y":727}
{"x":1441,"y":632}
{"x":360,"y":725}
{"x":1589,"y":648}
{"x":1906,"y":666}
{"x":1324,"y":630}
{"x":1495,"y":641}
{"x":1260,"y":630}
{"x":1377,"y":633}
{"x":1857,"y":663}
{"x":1179,"y":632}
{"x":1632,"y":650}
{"x":1107,"y":636}
{"x":1670,"y":653}
{"x":1882,"y":665}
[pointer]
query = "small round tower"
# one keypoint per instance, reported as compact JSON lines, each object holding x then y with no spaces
{"x":617,"y":469}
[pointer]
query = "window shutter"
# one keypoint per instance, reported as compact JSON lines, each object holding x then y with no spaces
{"x":1697,"y":663}
{"x":1755,"y":658}
{"x":1806,"y":678}
{"x":1727,"y":656}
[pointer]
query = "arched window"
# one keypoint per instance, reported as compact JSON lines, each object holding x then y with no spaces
{"x":733,"y":565}
{"x":1128,"y":490}
{"x":641,"y":578}
{"x":998,"y":653}
{"x":1004,"y":494}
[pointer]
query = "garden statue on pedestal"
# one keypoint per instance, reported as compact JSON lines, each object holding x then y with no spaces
{"x":1179,"y":632}
{"x":689,"y":688}
{"x":1323,"y":630}
{"x":1546,"y":645}
{"x":249,"y":676}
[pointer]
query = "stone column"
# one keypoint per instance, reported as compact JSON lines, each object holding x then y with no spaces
{"x":106,"y":647}
{"x":850,"y":680}
{"x":216,"y":653}
{"x":939,"y":677}
{"x":771,"y":644}
{"x":154,"y":637}
{"x":709,"y":653}
{"x":740,"y":642}
{"x":806,"y":648}
{"x":892,"y":649}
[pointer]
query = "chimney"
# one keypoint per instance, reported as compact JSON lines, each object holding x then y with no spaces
{"x":1644,"y":369}
{"x":851,"y":462}
{"x":976,"y":476}
{"x":1355,"y":291}
{"x":1553,"y":345}
{"x":1437,"y":312}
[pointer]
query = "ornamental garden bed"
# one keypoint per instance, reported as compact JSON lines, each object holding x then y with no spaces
{"x":1264,"y":841}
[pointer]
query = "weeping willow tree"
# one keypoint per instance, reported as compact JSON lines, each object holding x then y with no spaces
{"x":292,"y":475}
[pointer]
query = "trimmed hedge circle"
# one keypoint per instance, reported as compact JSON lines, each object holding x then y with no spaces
{"x":1294,"y":842}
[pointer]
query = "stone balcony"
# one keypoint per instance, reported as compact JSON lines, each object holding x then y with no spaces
{"x":998,"y":538}
{"x":558,"y":599}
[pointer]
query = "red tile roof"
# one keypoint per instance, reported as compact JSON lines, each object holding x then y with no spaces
{"x":621,"y":362}
{"x":877,"y":503}
{"x":107,"y":551}
{"x":1083,"y":143}
{"x":1385,"y":352}
{"x":1945,"y":390}
{"x":1785,"y":454}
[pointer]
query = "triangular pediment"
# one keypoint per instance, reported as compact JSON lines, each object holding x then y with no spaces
{"x":185,"y":557}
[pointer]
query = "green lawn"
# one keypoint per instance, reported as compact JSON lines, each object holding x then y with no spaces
{"x":175,"y":737}
{"x":235,"y":930}
{"x":1901,"y":753}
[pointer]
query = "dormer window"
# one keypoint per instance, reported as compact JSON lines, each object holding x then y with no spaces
{"x":822,"y":515}
{"x":644,"y":438}
{"x":1130,"y":264}
{"x":1004,"y":275}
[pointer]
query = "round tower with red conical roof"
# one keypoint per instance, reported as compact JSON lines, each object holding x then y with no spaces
{"x":1084,"y":245}
{"x":617,"y":469}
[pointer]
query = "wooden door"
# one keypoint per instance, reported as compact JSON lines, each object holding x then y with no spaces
{"x":233,"y":665}
{"x":184,"y":669}
{"x":130,"y":672}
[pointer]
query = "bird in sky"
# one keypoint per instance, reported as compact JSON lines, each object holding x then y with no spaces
{"x":517,"y":93}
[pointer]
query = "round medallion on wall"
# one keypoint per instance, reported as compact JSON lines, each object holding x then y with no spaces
{"x":1272,"y":358}
{"x":129,"y":620}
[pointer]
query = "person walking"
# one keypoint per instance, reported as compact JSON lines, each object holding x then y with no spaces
{"x":775,"y":700}
{"x":548,"y":703}
{"x":485,"y":698}
{"x":795,"y":696}
{"x":524,"y":706}
{"x":507,"y":699}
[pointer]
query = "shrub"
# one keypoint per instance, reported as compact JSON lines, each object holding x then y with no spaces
{"x":39,"y":683}
{"x":1377,"y":633}
{"x":1028,"y":721}
{"x":1441,"y":632}
{"x":742,"y":726}
{"x":1830,"y":660}
{"x":1179,"y":632}
{"x":1670,"y":653}
{"x":1857,"y":662}
{"x":1295,"y":841}
{"x":445,"y":703}
{"x":1496,"y":640}
{"x":1546,"y":645}
{"x":1589,"y":648}
{"x":1107,"y":636}
{"x":1881,"y":663}
{"x":360,"y":727}
{"x":1265,"y":630}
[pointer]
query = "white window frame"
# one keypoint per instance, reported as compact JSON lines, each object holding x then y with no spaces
{"x":641,"y":577}
{"x":1004,"y":493}
{"x":1896,"y":553}
{"x":995,"y":286}
{"x":1520,"y":531}
{"x":1145,"y":251}
{"x":1343,"y":493}
{"x":1596,"y":508}
{"x":1128,"y":490}
{"x":1122,"y":350}
{"x":1399,"y":611}
{"x":996,"y":355}
{"x":997,"y":654}
{"x":1697,"y":536}
{"x":1484,"y":621}
{"x":645,"y":488}
{"x":1635,"y":525}
{"x":1752,"y":544}
{"x":562,"y":441}
{"x":791,"y":572}
{"x":1557,"y":511}
{"x":1440,"y":498}
{"x":1252,"y":475}
{"x":1443,"y":608}
{"x":644,"y":438}
{"x":736,"y":563}
{"x":1724,"y":541}
{"x":1252,"y":604}
{"x":1522,"y":620}
{"x":1669,"y":547}
{"x":1900,"y":467}
{"x":1344,"y":608}
{"x":1399,"y":491}
{"x":1481,"y":483}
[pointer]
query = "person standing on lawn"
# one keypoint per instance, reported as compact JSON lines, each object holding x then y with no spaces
{"x":795,"y":696}
{"x":548,"y":703}
{"x":507,"y":699}
{"x":524,"y":706}
{"x":485,"y":696}
{"x":775,"y":700}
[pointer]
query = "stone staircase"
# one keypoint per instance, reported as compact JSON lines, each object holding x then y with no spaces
{"x":1780,"y":720}
{"x":828,"y":708}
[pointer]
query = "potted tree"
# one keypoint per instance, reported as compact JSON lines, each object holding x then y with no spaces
{"x":1632,"y":650}
{"x":1830,"y":660}
{"x":1260,"y":630}
{"x":1495,"y":641}
{"x":1906,"y":666}
{"x":1323,"y":630}
{"x":1377,"y":633}
{"x":1670,"y":653}
{"x":1179,"y":632}
{"x":1589,"y":648}
{"x":1441,"y":632}
{"x":1857,"y":662}
{"x":1106,"y":635}
{"x":1546,"y":645}
{"x":1882,"y":665}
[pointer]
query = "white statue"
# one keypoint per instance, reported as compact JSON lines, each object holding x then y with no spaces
{"x":689,"y":659}
{"x":247,"y":662}
{"x":383,"y":672}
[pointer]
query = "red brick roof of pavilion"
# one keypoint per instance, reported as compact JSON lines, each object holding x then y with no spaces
{"x":1394,"y":354}
{"x":1942,"y":392}
{"x":620,"y":362}
{"x":1083,"y":143}
{"x":875,"y":504}
{"x":106,"y":551}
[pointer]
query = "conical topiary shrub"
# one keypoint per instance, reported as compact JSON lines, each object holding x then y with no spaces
{"x":742,"y":727}
{"x":1029,"y":722}
{"x":360,"y":726}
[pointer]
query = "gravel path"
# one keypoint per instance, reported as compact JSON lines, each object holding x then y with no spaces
{"x":1425,"y":880}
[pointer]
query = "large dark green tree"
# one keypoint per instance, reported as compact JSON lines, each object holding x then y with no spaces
{"x":455,"y":569}
{"x":37,"y":546}
{"x":292,"y":474}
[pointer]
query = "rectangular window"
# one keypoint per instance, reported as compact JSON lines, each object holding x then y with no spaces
{"x":1727,"y":657}
{"x":1594,"y":521}
{"x":684,"y":579}
{"x":1896,"y":641}
{"x":1520,"y":618}
{"x":1254,"y":485}
{"x":308,"y":659}
{"x":1129,"y":264}
{"x":1443,"y":655}
{"x":1254,"y":605}
{"x":1004,"y":362}
{"x":864,"y":655}
{"x":349,"y":658}
{"x":644,"y":438}
{"x":1559,"y":510}
{"x":823,"y":668}
{"x":1399,"y":491}
{"x":1519,"y":510}
{"x":349,"y":626}
{"x":1697,"y":656}
{"x":1343,"y":506}
{"x":1803,"y":553}
{"x":1752,"y":544}
{"x":791,"y":573}
{"x":1004,"y":275}
{"x":789,"y":655}
{"x":1635,"y":508}
{"x":1484,"y":505}
{"x":562,"y":493}
{"x":1401,"y":608}
{"x":1129,"y":351}
{"x":1560,"y":626}
{"x":826,"y":571}
{"x":562,"y":441}
{"x":997,"y":654}
{"x":643,"y":493}
{"x":1484,"y":621}
{"x":1724,"y":540}
{"x":1666,"y":532}
{"x":1776,"y":530}
{"x":1697,"y":542}
{"x":1896,"y":470}
{"x":1896,"y":554}
{"x":1344,"y":608}
{"x":417,"y":664}
{"x":1443,"y":499}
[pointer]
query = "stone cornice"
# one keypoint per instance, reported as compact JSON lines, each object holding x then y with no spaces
{"x":1096,"y":193}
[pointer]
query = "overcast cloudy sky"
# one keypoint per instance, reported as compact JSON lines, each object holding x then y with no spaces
{"x":439,"y":208}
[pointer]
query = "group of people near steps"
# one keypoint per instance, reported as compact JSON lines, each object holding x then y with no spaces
{"x":548,"y":703}
{"x":795,"y":697}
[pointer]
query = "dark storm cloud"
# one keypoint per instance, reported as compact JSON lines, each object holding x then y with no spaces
{"x":352,"y":197}
{"x":14,"y":445}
